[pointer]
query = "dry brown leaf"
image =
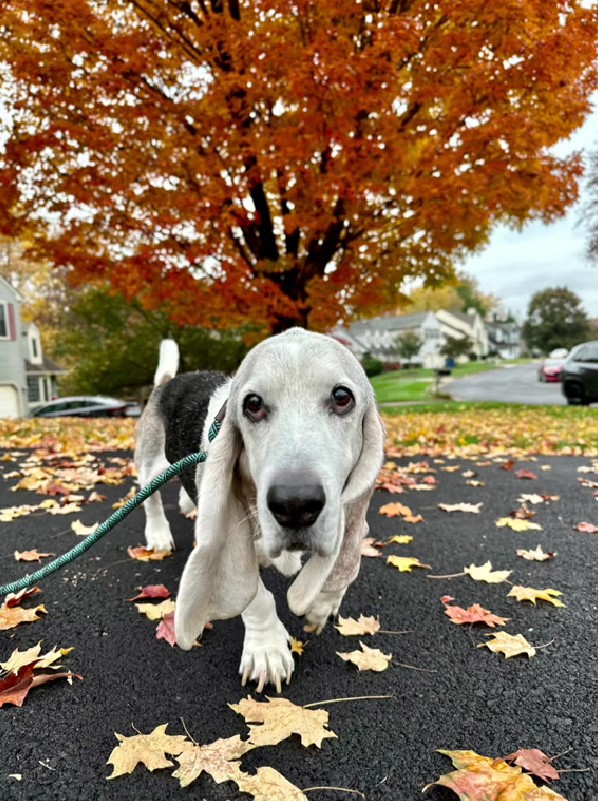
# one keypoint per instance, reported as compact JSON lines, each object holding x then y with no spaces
{"x":151,"y":591}
{"x":11,"y":617}
{"x":485,"y":573}
{"x":508,"y":644}
{"x":406,"y":563}
{"x":217,"y":759}
{"x":269,"y":785}
{"x":534,"y":761}
{"x":31,"y":556}
{"x":280,"y":719}
{"x":537,"y":555}
{"x":529,"y":594}
{"x":475,"y":614}
{"x":148,"y":749}
{"x":349,"y":627}
{"x":474,"y":508}
{"x":367,"y":658}
{"x":145,"y":555}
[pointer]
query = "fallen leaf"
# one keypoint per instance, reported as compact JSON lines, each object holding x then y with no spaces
{"x":367,"y":547}
{"x":518,"y":525}
{"x":67,"y":509}
{"x":297,"y":646}
{"x":508,"y":644}
{"x":475,"y":614}
{"x":216,"y":759}
{"x":400,"y":510}
{"x":529,"y":594}
{"x":474,"y":482}
{"x":15,"y":687}
{"x":15,"y":598}
{"x":523,"y":513}
{"x":32,"y":656}
{"x":269,"y":785}
{"x":587,"y":528}
{"x":474,"y":508}
{"x":350,"y":627}
{"x":402,"y":539}
{"x":157,"y":611}
{"x":81,"y":530}
{"x":151,"y":591}
{"x":148,"y":749}
{"x":11,"y":617}
{"x":406,"y":563}
{"x":537,"y":555}
{"x":281,"y":719}
{"x":536,"y":762}
{"x":165,"y":630}
{"x":481,"y":778}
{"x":485,"y":573}
{"x":145,"y":555}
{"x":367,"y":658}
{"x":31,"y":556}
{"x":525,"y":474}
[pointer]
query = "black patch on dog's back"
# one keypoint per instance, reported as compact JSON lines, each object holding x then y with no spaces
{"x":183,"y":404}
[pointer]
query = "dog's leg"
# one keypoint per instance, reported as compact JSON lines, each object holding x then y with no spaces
{"x":158,"y":536}
{"x":186,"y":505}
{"x":326,"y":605}
{"x":266,"y":658}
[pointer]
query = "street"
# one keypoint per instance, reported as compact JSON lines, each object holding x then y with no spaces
{"x":510,"y":384}
{"x":446,"y":692}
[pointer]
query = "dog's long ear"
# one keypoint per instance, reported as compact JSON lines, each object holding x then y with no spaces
{"x":363,"y":475}
{"x":221,"y":575}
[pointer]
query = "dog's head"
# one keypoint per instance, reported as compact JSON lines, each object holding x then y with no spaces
{"x":302,"y":436}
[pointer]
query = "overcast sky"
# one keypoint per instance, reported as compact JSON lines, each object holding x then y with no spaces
{"x":515,"y":265}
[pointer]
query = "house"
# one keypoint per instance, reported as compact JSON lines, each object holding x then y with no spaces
{"x":504,"y":338}
{"x":26,"y":376}
{"x":379,"y":337}
{"x":460,"y":325}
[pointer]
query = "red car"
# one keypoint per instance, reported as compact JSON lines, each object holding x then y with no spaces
{"x":551,"y":370}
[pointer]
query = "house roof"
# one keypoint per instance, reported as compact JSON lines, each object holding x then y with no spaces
{"x":47,"y":366}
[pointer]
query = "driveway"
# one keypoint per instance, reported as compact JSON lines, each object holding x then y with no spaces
{"x":516,"y":384}
{"x":446,"y":692}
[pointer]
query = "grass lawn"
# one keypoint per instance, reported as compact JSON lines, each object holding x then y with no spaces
{"x":418,"y":384}
{"x":471,"y":429}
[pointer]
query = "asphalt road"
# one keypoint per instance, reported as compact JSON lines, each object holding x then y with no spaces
{"x":511,"y":384}
{"x":461,"y":697}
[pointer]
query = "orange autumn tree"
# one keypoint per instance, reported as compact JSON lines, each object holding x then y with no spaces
{"x":284,"y":162}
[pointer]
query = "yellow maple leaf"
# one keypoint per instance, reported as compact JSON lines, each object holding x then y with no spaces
{"x":508,"y":644}
{"x":297,"y":646}
{"x":518,"y":525}
{"x":402,"y":539}
{"x":148,"y":749}
{"x":529,"y":594}
{"x":19,"y":659}
{"x":485,"y":573}
{"x":269,"y":785}
{"x":157,"y":611}
{"x":279,"y":719}
{"x":349,"y":627}
{"x":367,"y":658}
{"x":406,"y":563}
{"x":217,"y":759}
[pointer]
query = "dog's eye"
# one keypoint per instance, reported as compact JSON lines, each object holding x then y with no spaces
{"x":254,"y":408}
{"x":342,"y":400}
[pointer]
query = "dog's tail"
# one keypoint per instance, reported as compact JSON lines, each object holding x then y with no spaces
{"x":168,"y":363}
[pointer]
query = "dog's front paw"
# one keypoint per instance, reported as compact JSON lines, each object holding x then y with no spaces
{"x":326,"y":605}
{"x":159,"y":538}
{"x":267,"y":657}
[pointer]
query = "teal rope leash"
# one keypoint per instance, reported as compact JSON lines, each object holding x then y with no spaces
{"x":161,"y":479}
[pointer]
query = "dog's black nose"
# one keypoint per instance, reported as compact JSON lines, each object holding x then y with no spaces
{"x":296,"y":505}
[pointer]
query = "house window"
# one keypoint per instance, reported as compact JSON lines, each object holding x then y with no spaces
{"x":3,"y":320}
{"x":34,"y":348}
{"x":33,"y":389}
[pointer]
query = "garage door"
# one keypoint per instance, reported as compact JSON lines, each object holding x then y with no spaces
{"x":9,"y":401}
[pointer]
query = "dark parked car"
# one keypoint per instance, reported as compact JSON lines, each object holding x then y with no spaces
{"x":580,"y":374}
{"x":87,"y":406}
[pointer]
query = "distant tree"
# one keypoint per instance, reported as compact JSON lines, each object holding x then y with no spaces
{"x":455,"y":347}
{"x":408,"y":345}
{"x":555,"y":319}
{"x":459,"y":295}
{"x":111,"y":345}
